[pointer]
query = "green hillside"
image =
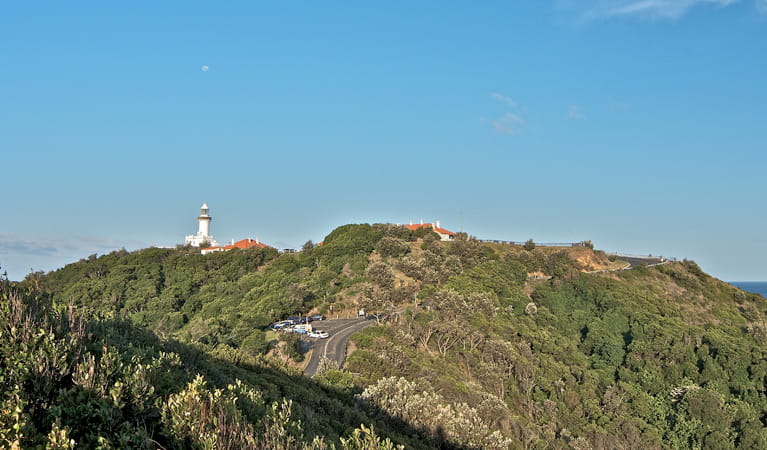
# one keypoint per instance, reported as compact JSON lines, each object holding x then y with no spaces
{"x":482,"y":346}
{"x":72,"y":380}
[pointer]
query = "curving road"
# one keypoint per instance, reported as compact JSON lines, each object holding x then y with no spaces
{"x":634,"y":262}
{"x":333,"y":347}
{"x":649,"y":261}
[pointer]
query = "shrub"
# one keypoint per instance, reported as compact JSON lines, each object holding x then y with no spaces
{"x":207,"y":419}
{"x":292,"y":346}
{"x":392,"y":247}
{"x":418,"y":405}
{"x":529,"y":245}
{"x":364,"y":438}
{"x":255,"y":344}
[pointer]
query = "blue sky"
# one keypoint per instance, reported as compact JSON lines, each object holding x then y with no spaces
{"x":638,"y":124}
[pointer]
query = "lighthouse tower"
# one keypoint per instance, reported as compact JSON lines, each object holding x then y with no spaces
{"x":204,"y":220}
{"x":203,"y":237}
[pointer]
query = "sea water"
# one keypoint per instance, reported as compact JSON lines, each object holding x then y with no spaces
{"x":757,"y":287}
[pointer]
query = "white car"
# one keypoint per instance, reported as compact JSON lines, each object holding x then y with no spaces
{"x":318,"y":334}
{"x":279,"y":325}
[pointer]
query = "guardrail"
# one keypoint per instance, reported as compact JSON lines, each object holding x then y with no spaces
{"x":653,"y":260}
{"x":648,"y":256}
{"x":579,"y":244}
{"x":537,"y":244}
{"x":629,"y":266}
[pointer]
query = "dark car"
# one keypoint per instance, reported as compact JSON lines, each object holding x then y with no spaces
{"x":318,"y":317}
{"x":299,"y":320}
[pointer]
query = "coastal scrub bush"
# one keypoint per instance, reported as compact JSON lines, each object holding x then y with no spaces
{"x":419,"y":406}
{"x":392,"y":247}
{"x":364,"y":438}
{"x":529,"y":245}
{"x":200,"y":418}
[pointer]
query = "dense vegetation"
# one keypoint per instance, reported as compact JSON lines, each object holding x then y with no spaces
{"x":68,"y":380}
{"x":647,"y":358}
{"x":478,"y":345}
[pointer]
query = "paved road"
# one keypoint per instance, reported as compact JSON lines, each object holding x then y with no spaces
{"x":640,"y":261}
{"x":634,"y":262}
{"x":333,"y":347}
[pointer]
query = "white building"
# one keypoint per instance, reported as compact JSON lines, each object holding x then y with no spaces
{"x":203,"y":236}
{"x":445,"y":235}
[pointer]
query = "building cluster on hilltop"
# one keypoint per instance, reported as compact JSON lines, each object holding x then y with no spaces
{"x":243,"y":244}
{"x":207,"y":244}
{"x":204,"y":240}
{"x":445,"y":235}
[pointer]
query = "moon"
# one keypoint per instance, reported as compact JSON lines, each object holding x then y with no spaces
{"x":204,"y":68}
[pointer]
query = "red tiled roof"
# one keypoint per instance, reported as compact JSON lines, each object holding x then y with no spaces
{"x":246,"y":243}
{"x":416,"y":226}
{"x":444,"y":231}
{"x":243,"y":244}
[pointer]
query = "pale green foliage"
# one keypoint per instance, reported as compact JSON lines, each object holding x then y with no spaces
{"x":210,"y":419}
{"x":281,"y":430}
{"x":326,"y":364}
{"x":58,"y":438}
{"x":207,"y":419}
{"x":364,"y":438}
{"x":13,"y":420}
{"x":451,"y":304}
{"x":418,"y":405}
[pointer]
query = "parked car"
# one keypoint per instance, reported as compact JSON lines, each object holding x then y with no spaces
{"x":279,"y":325}
{"x":318,"y":334}
{"x":318,"y":317}
{"x":305,"y":328}
{"x":296,"y":319}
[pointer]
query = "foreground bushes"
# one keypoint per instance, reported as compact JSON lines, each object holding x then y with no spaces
{"x":419,"y":406}
{"x":68,"y":381}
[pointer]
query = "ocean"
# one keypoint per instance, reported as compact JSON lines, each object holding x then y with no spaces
{"x":757,"y":287}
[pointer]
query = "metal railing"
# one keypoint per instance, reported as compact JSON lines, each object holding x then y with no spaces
{"x":652,"y":260}
{"x":537,"y":244}
{"x":648,"y":257}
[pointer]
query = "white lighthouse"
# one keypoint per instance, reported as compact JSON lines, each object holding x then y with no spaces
{"x":203,"y":237}
{"x":204,"y":220}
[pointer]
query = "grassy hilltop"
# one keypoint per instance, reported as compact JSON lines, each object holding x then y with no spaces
{"x":485,"y":346}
